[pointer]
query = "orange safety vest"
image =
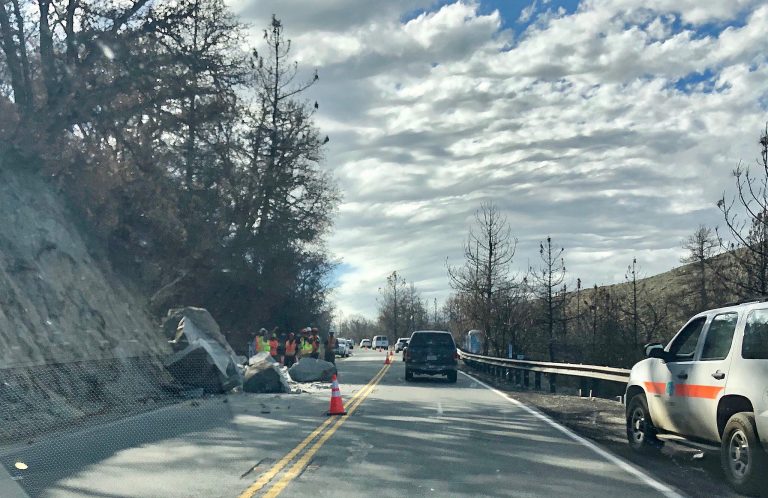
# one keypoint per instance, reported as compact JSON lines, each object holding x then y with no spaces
{"x":290,"y":348}
{"x":273,"y":347}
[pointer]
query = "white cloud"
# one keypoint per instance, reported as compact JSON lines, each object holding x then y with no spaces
{"x":577,"y":127}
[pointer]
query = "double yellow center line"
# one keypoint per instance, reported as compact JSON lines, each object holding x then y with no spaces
{"x":332,"y":424}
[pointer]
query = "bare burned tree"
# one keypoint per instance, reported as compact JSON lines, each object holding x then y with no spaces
{"x":631,"y":277}
{"x":485,"y":274}
{"x":545,"y":281}
{"x":746,"y":217}
{"x":392,"y":305}
{"x":701,"y":246}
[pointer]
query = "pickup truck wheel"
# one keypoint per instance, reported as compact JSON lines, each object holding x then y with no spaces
{"x":408,"y":375}
{"x":641,"y":433}
{"x":741,"y":455}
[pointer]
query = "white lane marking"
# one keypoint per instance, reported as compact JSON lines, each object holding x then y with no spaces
{"x":439,"y":408}
{"x":619,"y":462}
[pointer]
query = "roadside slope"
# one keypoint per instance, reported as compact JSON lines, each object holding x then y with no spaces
{"x":74,"y":341}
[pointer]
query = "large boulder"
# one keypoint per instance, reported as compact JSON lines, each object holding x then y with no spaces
{"x":265,"y":377}
{"x":312,"y":370}
{"x":202,"y":356}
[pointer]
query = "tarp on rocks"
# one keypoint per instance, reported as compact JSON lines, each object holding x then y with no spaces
{"x":312,"y":370}
{"x":202,"y":356}
{"x":265,"y":377}
{"x":259,"y":357}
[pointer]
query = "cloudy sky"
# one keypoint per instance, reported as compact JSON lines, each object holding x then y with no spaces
{"x":611,"y":126}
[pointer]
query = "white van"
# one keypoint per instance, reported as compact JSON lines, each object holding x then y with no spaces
{"x":380,"y":341}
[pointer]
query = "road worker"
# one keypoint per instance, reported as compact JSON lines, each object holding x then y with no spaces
{"x":281,"y":348}
{"x":262,"y":343}
{"x":315,"y":340}
{"x":330,"y":346}
{"x":273,"y":347}
{"x":306,"y":344}
{"x":291,"y":345}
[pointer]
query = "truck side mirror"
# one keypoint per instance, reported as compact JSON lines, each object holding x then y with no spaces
{"x":656,"y":350}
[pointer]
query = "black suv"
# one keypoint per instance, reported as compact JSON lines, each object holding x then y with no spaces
{"x":431,"y":352}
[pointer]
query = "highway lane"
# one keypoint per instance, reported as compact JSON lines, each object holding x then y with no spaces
{"x":433,"y":438}
{"x":197,"y":448}
{"x":403,"y":439}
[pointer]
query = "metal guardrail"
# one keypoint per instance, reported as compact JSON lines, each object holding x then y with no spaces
{"x":573,"y":369}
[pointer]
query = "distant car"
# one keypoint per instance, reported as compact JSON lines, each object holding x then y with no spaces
{"x":342,"y":348}
{"x":380,"y":341}
{"x":401,"y":344}
{"x":431,"y":352}
{"x":365,"y":344}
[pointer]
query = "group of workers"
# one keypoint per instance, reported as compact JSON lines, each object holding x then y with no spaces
{"x":288,"y":349}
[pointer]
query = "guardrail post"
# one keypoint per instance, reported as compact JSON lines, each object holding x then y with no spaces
{"x":518,"y":377}
{"x":583,"y":389}
{"x":526,"y":379}
{"x":552,"y":383}
{"x":594,"y":387}
{"x":537,"y":381}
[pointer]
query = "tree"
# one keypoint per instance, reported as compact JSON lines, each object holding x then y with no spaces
{"x":631,"y":278}
{"x":545,"y":280}
{"x":701,"y":245}
{"x":358,"y":327}
{"x":392,"y":305}
{"x":748,"y":275}
{"x":485,"y":274}
{"x":198,"y":166}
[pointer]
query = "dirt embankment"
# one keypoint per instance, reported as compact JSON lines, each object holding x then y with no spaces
{"x":75,"y":342}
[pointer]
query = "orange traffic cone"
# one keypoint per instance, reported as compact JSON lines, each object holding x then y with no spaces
{"x":386,"y":360}
{"x":337,"y":406}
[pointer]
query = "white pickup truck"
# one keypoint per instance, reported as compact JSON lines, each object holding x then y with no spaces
{"x":708,"y":388}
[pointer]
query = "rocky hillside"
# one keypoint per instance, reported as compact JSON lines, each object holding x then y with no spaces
{"x":57,"y":302}
{"x":74,"y":341}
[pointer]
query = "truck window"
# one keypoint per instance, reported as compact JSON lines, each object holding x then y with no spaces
{"x":755,"y":345}
{"x":719,"y":337}
{"x":684,"y":345}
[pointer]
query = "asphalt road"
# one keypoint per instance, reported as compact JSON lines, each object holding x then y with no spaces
{"x":423,"y":438}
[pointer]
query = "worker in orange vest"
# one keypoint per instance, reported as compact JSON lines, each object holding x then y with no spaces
{"x":290,"y":350}
{"x":315,"y":341}
{"x":273,"y":345}
{"x":330,"y":347}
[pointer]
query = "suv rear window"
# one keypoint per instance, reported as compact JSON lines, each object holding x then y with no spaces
{"x":426,"y":339}
{"x":755,"y":345}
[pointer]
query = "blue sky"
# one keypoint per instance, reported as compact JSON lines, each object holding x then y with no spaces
{"x":610,"y":125}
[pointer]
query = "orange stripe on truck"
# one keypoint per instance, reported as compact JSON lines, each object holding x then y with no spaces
{"x":697,"y":391}
{"x":656,"y":387}
{"x":684,"y":390}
